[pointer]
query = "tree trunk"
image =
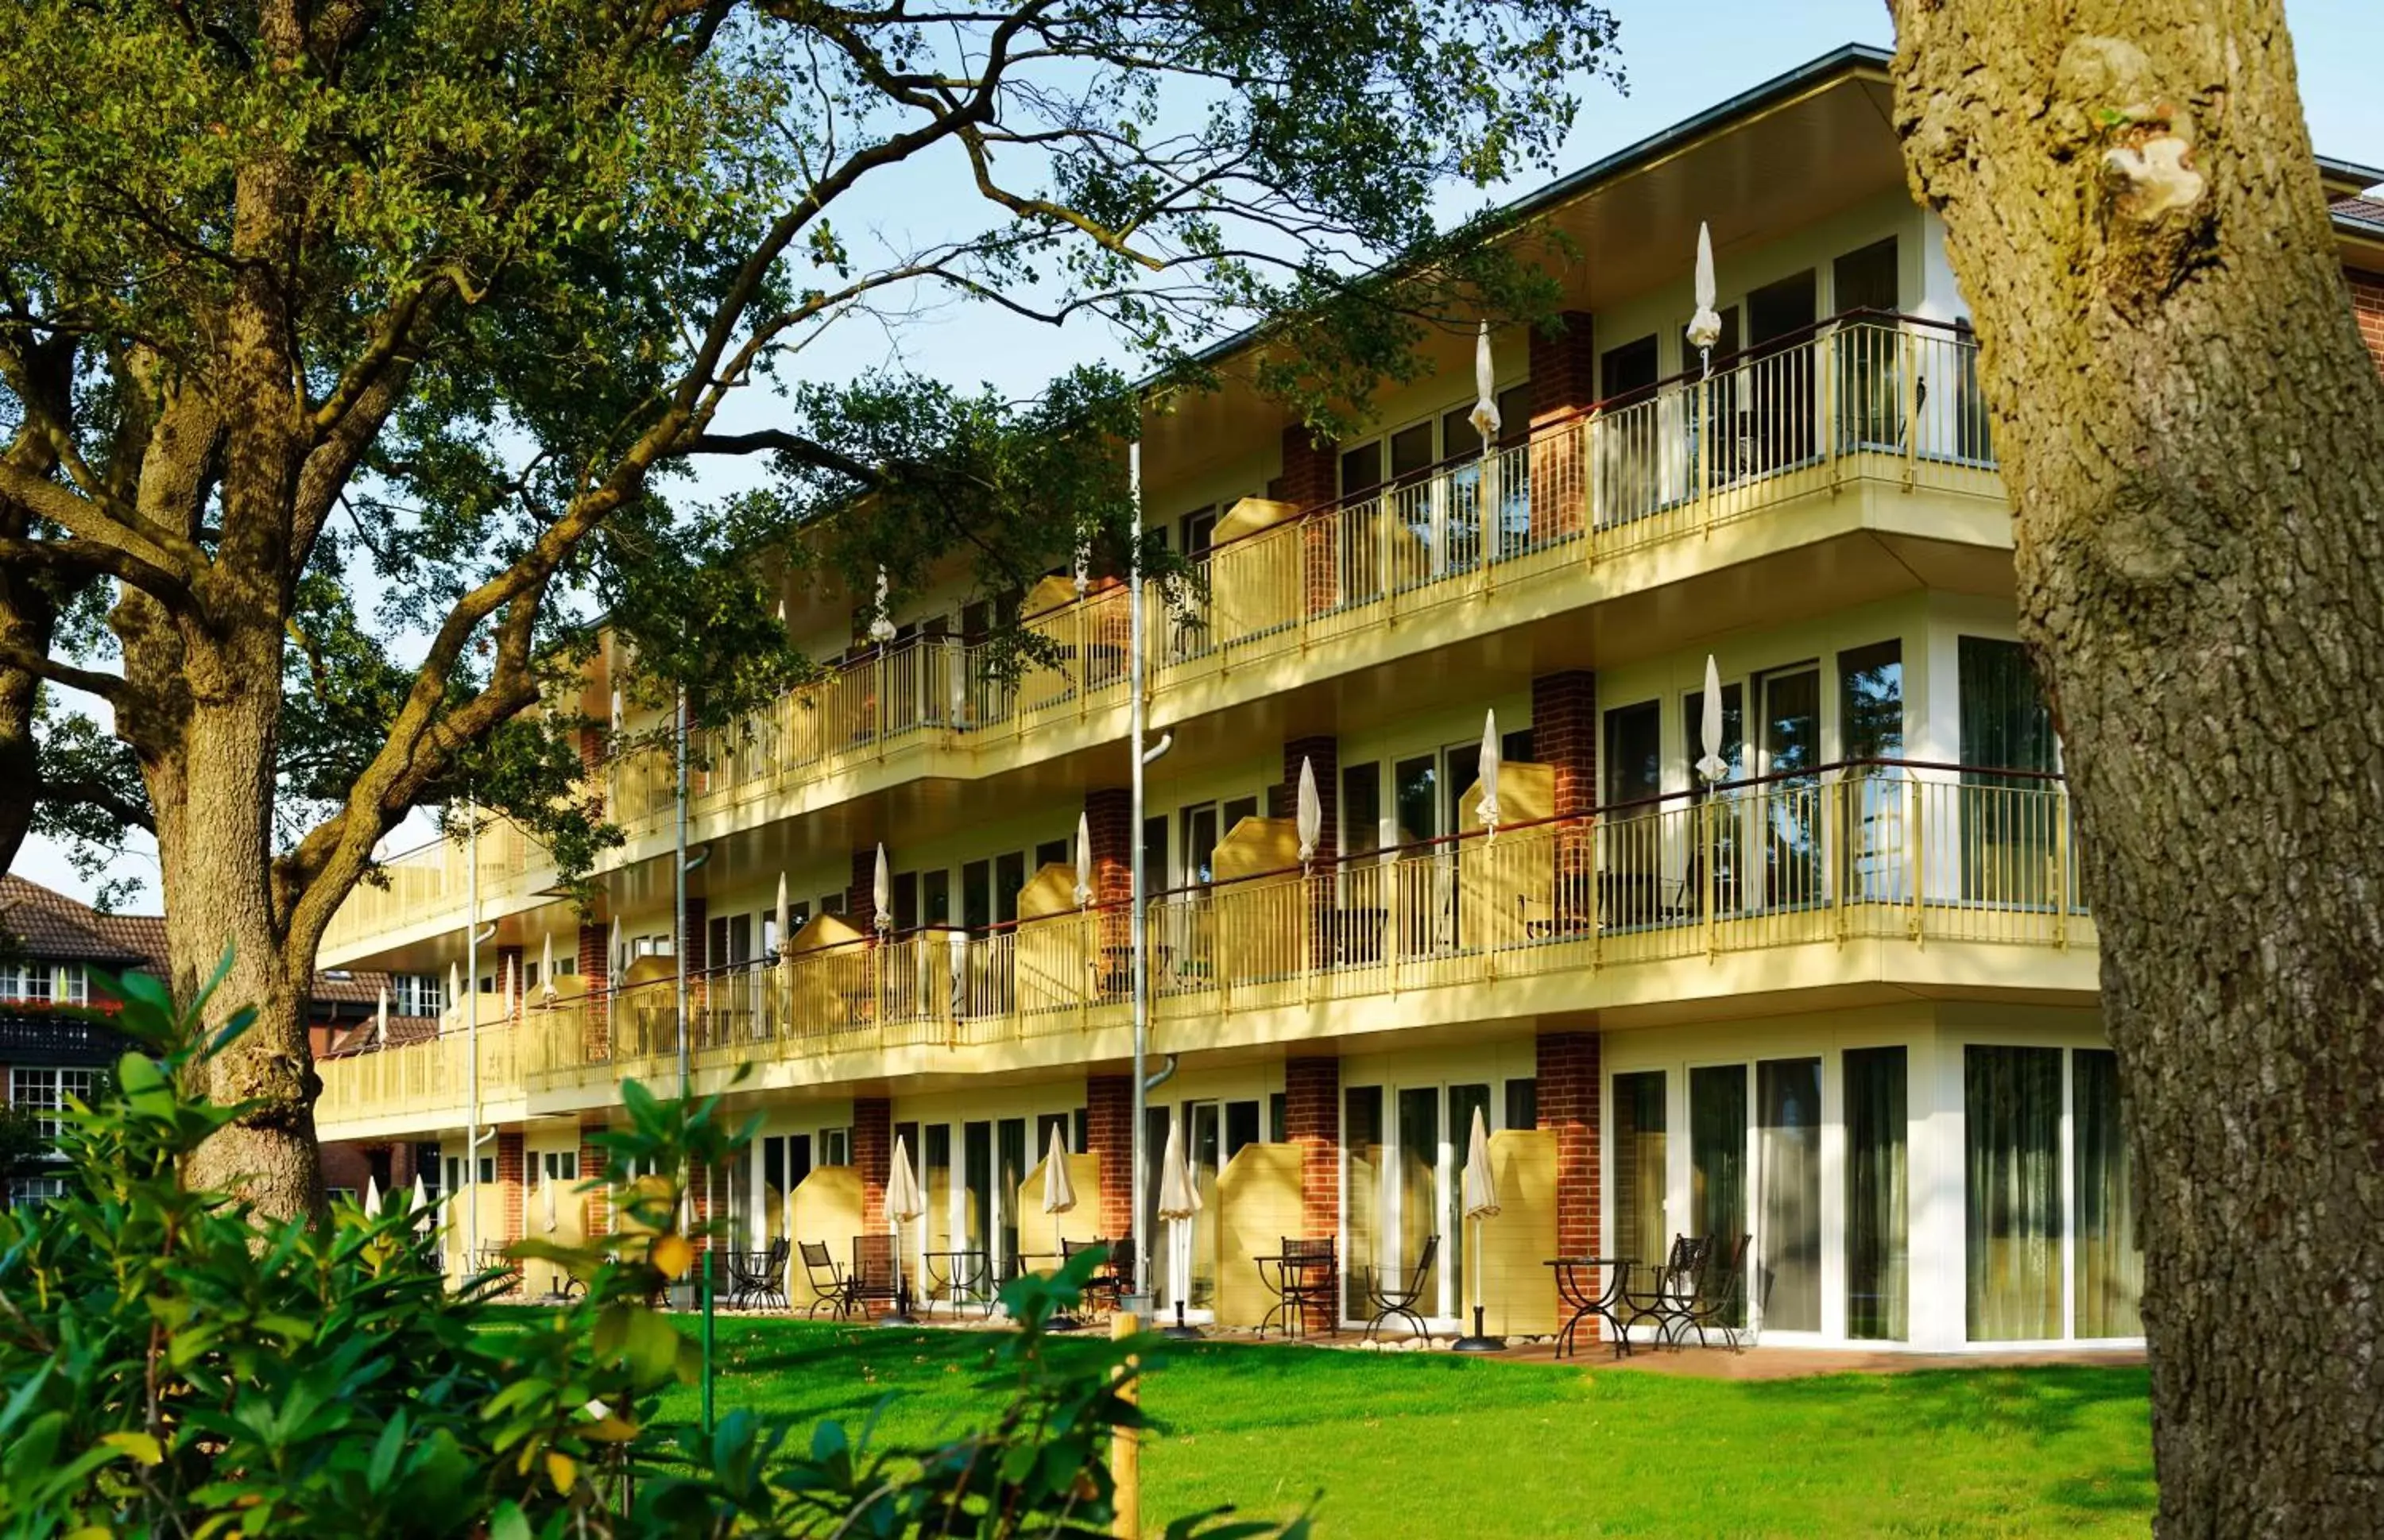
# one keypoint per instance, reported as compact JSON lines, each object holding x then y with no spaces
{"x":214,"y":804}
{"x":2193,"y":440}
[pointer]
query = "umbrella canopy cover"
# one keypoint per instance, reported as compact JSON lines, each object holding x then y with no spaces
{"x":1705,"y":325}
{"x":903,"y":1203}
{"x":547,"y":1188}
{"x":613,"y":953}
{"x":881,"y":628}
{"x":419,"y":1206}
{"x":372,"y":1194}
{"x":546,"y":966}
{"x":380,"y":1017}
{"x":1058,"y":1193}
{"x":1179,"y":1194}
{"x":1310,"y":814}
{"x":455,"y":989}
{"x":1489,"y":771}
{"x":1481,"y":1194}
{"x":881,"y":891}
{"x":1084,"y":859}
{"x":782,"y":914}
{"x":1485,"y":416}
{"x":1713,"y":767}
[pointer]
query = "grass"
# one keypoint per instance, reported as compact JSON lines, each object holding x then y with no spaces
{"x":1401,"y":1444}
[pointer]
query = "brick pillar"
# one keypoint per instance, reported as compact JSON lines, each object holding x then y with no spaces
{"x":596,"y":974}
{"x":1564,"y":736}
{"x":1564,"y":381}
{"x":509,"y":1182}
{"x":1311,"y":471}
{"x":592,"y":762}
{"x":1313,"y":1121}
{"x":1109,"y":1128}
{"x":873,"y":1153}
{"x":1567,"y":1071}
{"x":1109,"y":818}
{"x":2368,"y":308}
{"x":509,"y":979}
{"x":861,"y":894}
{"x":693,"y":947}
{"x":593,"y":1157}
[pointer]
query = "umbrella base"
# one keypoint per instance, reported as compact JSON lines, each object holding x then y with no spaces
{"x":1180,"y":1332}
{"x":897,"y":1318}
{"x":1480,"y":1345}
{"x":1064,"y":1324}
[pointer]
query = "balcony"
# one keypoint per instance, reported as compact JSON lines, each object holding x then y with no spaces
{"x":1886,"y":876}
{"x":1689,"y":475}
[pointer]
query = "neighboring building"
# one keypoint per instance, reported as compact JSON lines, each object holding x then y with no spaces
{"x":53,"y":1009}
{"x":1843,"y":1003}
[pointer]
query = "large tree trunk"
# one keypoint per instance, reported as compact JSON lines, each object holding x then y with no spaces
{"x":2193,"y":440}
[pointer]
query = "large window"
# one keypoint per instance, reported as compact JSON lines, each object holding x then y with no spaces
{"x":417,"y":994}
{"x":1361,"y":809}
{"x":45,"y":1093}
{"x":2108,"y":1265}
{"x":50,"y":983}
{"x":2011,"y":1187}
{"x":1788,"y":1147}
{"x":2010,"y":823}
{"x":1878,"y":1226}
{"x":1639,"y":1169}
{"x":1635,"y":753}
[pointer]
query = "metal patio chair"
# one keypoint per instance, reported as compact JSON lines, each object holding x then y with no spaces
{"x":1388,"y":1300}
{"x":829,"y":1282}
{"x":1721,"y":1286}
{"x":1671,"y":1287}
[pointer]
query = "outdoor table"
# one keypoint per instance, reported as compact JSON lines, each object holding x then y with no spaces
{"x":964,"y":1274}
{"x":1573,"y":1287}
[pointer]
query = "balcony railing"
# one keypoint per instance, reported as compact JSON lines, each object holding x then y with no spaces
{"x":1873,"y":851}
{"x":431,"y":881}
{"x":1861,"y":397}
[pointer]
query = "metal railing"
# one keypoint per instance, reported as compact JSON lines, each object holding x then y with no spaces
{"x":1862,"y":396}
{"x":431,"y":881}
{"x":1886,"y":851}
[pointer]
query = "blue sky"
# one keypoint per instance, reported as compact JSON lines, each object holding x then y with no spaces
{"x":1678,"y":58}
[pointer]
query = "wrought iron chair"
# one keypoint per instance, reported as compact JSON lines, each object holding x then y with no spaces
{"x":829,"y":1282}
{"x":1671,"y":1287}
{"x":874,"y":1275}
{"x":1721,"y":1284}
{"x":1400,"y":1300}
{"x":1303,"y":1281}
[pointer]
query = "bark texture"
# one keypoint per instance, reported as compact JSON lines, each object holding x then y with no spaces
{"x":2193,"y":440}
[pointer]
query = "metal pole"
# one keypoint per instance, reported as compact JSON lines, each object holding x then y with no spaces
{"x":679,"y":878}
{"x":708,"y":1343}
{"x":472,"y":1028}
{"x":1138,"y":908}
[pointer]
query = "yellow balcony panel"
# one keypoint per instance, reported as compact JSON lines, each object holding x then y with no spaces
{"x":1843,"y":886}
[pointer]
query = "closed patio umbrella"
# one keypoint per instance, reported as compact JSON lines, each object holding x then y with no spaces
{"x":1489,"y":771}
{"x":1059,"y":1196}
{"x":1084,"y":859}
{"x":1179,"y":1202}
{"x":1479,"y":1199}
{"x":903,"y":1204}
{"x":546,"y":966}
{"x":782,"y":914}
{"x":1704,"y":325}
{"x":1484,"y":415}
{"x":881,"y":893}
{"x":546,"y":1188}
{"x":1713,"y":767}
{"x":881,"y":628}
{"x":380,"y":1018}
{"x":418,"y":1204}
{"x":1310,"y":811}
{"x":455,"y":989}
{"x":372,"y":1194}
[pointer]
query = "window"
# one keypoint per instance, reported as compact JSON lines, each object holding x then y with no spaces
{"x":45,"y":1092}
{"x":1630,"y":367}
{"x":1522,"y":1102}
{"x":2006,"y":724}
{"x":936,"y":898}
{"x":1154,"y":854}
{"x":1361,"y":809}
{"x":1635,"y":753}
{"x":1458,"y":438}
{"x":976,"y":895}
{"x":1278,"y":1118}
{"x":1052,"y":853}
{"x":1865,"y":278}
{"x":1196,"y":531}
{"x":2108,"y":1261}
{"x":1200,"y":844}
{"x":417,"y":994}
{"x":1236,"y":809}
{"x":1871,"y":701}
{"x":1009,"y":877}
{"x":1416,"y":798}
{"x":1878,"y":1220}
{"x":1410,"y":453}
{"x":50,"y":983}
{"x":1639,"y":1167}
{"x":2012,"y":1192}
{"x":728,"y":939}
{"x":1361,"y":469}
{"x":1049,"y":1124}
{"x":836,"y":1146}
{"x":1241,"y":1126}
{"x":1788,"y":1174}
{"x":906,"y":901}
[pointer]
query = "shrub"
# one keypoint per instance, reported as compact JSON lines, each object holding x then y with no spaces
{"x":172,"y":1364}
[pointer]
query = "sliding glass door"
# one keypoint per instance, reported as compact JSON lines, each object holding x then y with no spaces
{"x":1640,"y":1173}
{"x":1787,"y":1277}
{"x":2012,"y":1181}
{"x":2107,"y":1264}
{"x":1878,"y":1226}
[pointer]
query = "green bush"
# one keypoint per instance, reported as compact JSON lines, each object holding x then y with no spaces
{"x":172,"y":1365}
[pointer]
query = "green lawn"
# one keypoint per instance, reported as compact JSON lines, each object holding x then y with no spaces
{"x":1406,"y":1445}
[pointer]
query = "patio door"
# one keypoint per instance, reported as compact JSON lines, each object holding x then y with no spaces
{"x":1204,"y":1153}
{"x":1407,"y":1189}
{"x":785,"y":1159}
{"x":1790,"y":727}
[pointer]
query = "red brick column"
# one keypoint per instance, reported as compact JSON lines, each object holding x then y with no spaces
{"x":873,"y":1153}
{"x":592,"y":762}
{"x":2368,"y":308}
{"x":509,"y":1182}
{"x":596,"y":974}
{"x":1564,"y":380}
{"x":1311,"y":471}
{"x":861,"y":894}
{"x":1109,"y":1128}
{"x":592,"y":1159}
{"x":1312,"y":1121}
{"x":1564,"y":736}
{"x":1569,"y":1106}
